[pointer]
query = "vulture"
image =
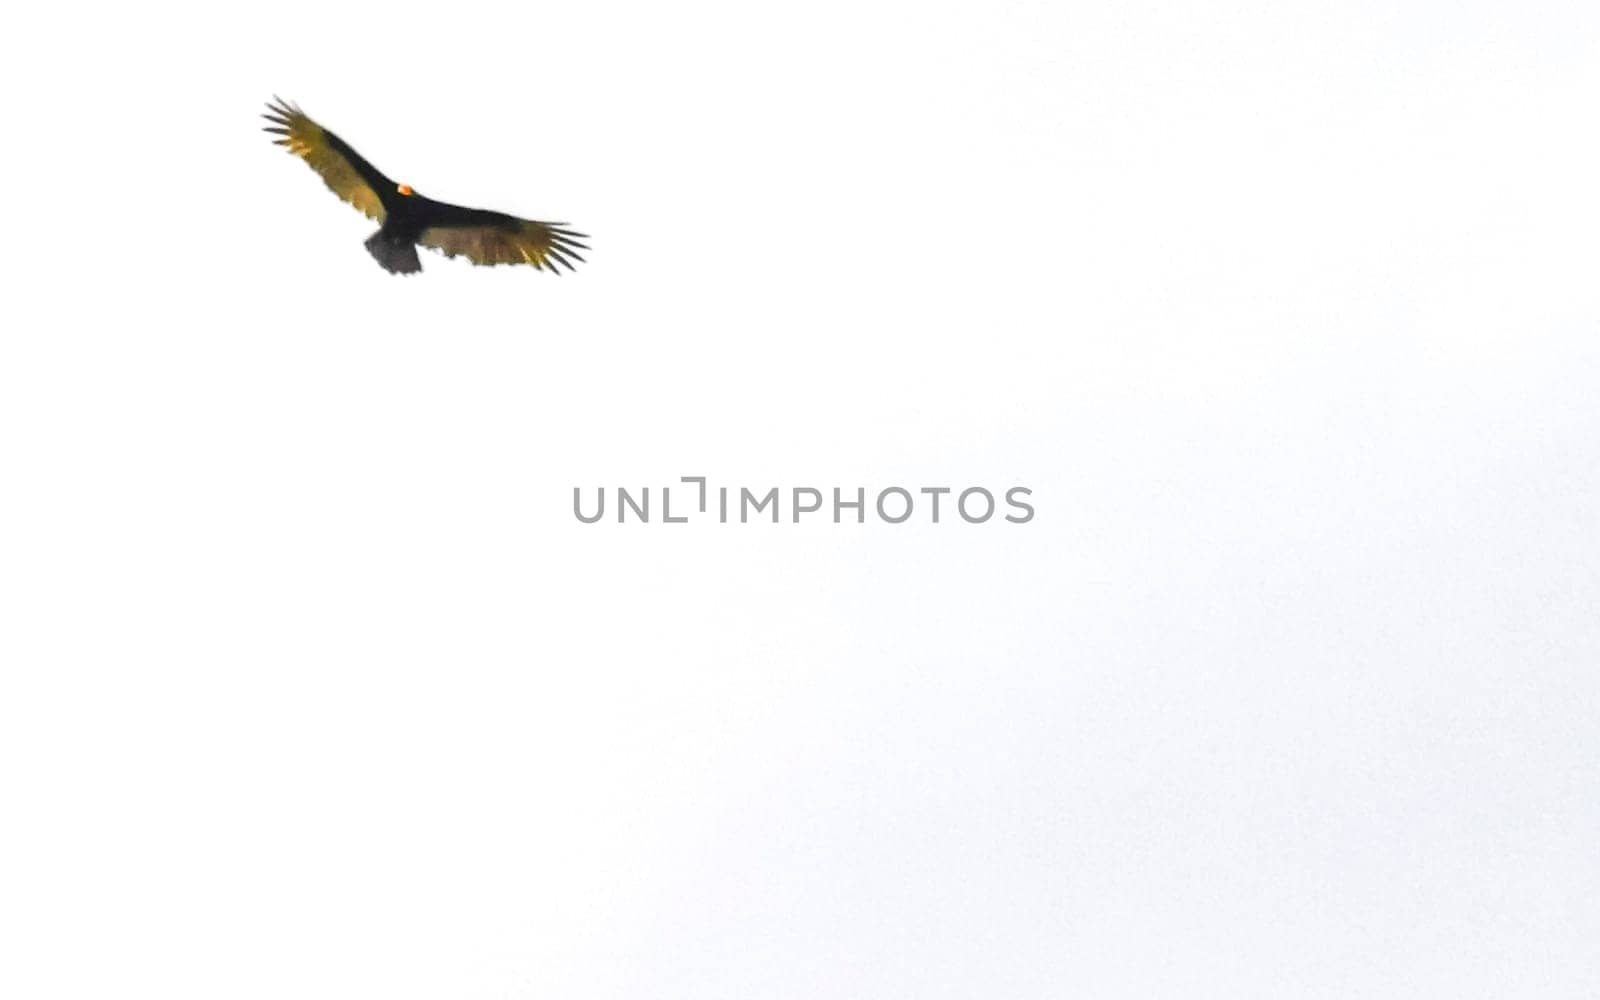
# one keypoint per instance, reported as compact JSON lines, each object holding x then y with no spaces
{"x":407,"y":218}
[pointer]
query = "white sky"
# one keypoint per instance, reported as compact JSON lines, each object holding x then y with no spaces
{"x":314,"y":688}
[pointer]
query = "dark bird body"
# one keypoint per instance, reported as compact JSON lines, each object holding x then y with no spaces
{"x":408,"y":219}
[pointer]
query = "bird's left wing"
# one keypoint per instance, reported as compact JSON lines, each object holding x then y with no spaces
{"x":341,"y":168}
{"x":494,"y":238}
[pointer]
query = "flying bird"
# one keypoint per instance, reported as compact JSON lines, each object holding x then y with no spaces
{"x":407,"y":218}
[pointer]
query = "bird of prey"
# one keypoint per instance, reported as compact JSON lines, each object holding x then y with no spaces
{"x":407,"y":218}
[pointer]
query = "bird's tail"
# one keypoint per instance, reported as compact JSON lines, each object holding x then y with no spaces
{"x":396,"y":256}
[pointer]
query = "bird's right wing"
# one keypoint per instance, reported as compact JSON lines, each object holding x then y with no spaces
{"x":341,"y":168}
{"x":506,"y":240}
{"x":485,"y":237}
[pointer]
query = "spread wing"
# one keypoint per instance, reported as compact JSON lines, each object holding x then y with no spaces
{"x":341,"y":168}
{"x":494,"y":238}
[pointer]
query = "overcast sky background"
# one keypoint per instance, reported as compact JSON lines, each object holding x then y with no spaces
{"x":313,"y":687}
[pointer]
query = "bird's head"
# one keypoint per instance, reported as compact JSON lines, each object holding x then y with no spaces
{"x":405,"y":190}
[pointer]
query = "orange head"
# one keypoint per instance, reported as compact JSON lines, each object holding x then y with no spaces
{"x":405,"y":189}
